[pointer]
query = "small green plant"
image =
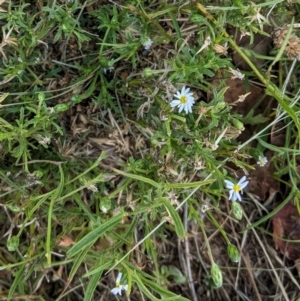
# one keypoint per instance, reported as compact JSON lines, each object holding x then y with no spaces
{"x":123,"y":162}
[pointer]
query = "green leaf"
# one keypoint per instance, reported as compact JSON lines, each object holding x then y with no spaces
{"x":175,"y":218}
{"x":77,"y":263}
{"x":101,"y":267}
{"x":93,"y":282}
{"x":56,"y":194}
{"x":189,"y":185}
{"x":176,"y":273}
{"x":137,"y":177}
{"x":18,"y":278}
{"x":253,"y":120}
{"x":164,"y":293}
{"x":90,"y":238}
{"x":279,"y":150}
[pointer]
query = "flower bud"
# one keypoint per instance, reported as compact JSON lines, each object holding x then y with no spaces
{"x":75,"y":98}
{"x":41,"y":96}
{"x":13,"y":243}
{"x":220,"y":49}
{"x":147,"y":72}
{"x":237,"y":210}
{"x":196,"y":18}
{"x":61,"y":107}
{"x":233,"y":253}
{"x":216,"y":275}
{"x":238,"y":124}
{"x":105,"y":204}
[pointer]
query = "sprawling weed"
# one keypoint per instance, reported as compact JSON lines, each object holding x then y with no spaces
{"x":127,"y":139}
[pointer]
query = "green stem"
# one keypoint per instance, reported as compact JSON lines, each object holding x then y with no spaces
{"x":209,"y":253}
{"x":103,"y":41}
{"x":218,"y":226}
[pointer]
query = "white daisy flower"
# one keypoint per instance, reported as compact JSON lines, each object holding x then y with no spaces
{"x":119,"y":287}
{"x":148,"y":44}
{"x":185,"y":100}
{"x":262,"y":161}
{"x":234,"y":189}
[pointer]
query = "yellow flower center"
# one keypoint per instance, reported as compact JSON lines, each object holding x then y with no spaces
{"x":236,"y":188}
{"x":183,"y":99}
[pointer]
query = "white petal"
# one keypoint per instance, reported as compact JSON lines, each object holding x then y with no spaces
{"x":185,"y":90}
{"x":177,"y":95}
{"x":238,"y":196}
{"x":119,"y":277}
{"x":174,"y":103}
{"x":189,"y":105}
{"x":243,"y":179}
{"x":243,"y":185}
{"x":181,"y":107}
{"x":235,"y":196}
{"x":116,"y":291}
{"x":230,"y":194}
{"x":229,"y":184}
{"x":186,"y":109}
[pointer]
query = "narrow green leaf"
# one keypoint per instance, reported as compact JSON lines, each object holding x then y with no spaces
{"x":93,"y":282}
{"x":78,"y":199}
{"x":18,"y":278}
{"x":164,"y":293}
{"x":101,"y":268}
{"x":252,"y":120}
{"x":189,"y":185}
{"x":277,"y":149}
{"x":77,"y":263}
{"x":137,"y":177}
{"x":91,"y":237}
{"x":102,"y":156}
{"x":175,"y":218}
{"x":56,"y":194}
{"x":90,"y":89}
{"x":283,"y":101}
{"x":283,"y":46}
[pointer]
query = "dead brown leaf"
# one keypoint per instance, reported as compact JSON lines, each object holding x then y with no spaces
{"x":65,"y":241}
{"x":261,"y":45}
{"x":277,"y":136}
{"x":286,"y":224}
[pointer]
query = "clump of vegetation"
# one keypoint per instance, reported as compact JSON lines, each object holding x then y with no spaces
{"x":144,"y":148}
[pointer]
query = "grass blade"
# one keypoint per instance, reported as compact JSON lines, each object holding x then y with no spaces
{"x":90,"y":238}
